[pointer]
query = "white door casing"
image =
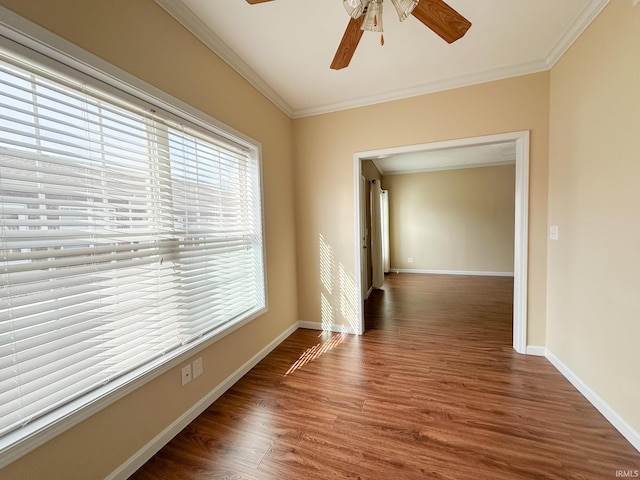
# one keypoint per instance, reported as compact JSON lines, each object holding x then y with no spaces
{"x":521,"y":229}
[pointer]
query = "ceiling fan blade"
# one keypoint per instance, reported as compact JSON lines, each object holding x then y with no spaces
{"x":442,"y":19}
{"x":348,"y":44}
{"x":254,"y":2}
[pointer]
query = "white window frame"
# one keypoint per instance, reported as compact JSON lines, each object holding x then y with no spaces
{"x":28,"y":40}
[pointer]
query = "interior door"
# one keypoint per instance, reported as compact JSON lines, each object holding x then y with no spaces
{"x":364,"y":239}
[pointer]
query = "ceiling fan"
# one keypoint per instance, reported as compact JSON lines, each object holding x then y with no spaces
{"x":367,"y":15}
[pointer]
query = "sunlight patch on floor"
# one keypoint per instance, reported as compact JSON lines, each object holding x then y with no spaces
{"x":316,"y":351}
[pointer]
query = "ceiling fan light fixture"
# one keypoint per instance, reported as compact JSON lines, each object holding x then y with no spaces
{"x":355,"y":8}
{"x":373,"y":17}
{"x":404,"y":8}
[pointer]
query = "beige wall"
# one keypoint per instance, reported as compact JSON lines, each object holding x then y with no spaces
{"x":453,"y":220}
{"x":594,"y":198}
{"x":139,"y":37}
{"x":324,"y":149}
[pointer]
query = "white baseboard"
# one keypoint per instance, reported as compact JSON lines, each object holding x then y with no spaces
{"x":150,"y":449}
{"x":327,"y":328}
{"x":452,"y":272}
{"x":609,"y":413}
{"x":145,"y":453}
{"x":536,"y":350}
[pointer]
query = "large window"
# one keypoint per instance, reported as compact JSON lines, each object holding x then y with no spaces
{"x":125,"y":237}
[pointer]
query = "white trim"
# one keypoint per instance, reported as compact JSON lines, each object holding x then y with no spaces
{"x":443,"y":145}
{"x":521,"y":244}
{"x":588,"y":15}
{"x":521,"y":230}
{"x":359,"y":209}
{"x":333,"y":328}
{"x":369,"y":292}
{"x":426,"y":88}
{"x":138,"y":459}
{"x":536,"y":350}
{"x":609,"y":413}
{"x":145,"y":453}
{"x":50,"y":49}
{"x":202,"y":32}
{"x":453,"y":272}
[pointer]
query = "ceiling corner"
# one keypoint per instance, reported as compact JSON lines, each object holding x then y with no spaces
{"x":588,"y":15}
{"x":193,"y":24}
{"x":378,"y":164}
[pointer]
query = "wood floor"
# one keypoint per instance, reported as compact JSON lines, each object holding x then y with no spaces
{"x":433,"y":389}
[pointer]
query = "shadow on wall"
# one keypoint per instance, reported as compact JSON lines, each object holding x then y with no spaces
{"x":338,"y":299}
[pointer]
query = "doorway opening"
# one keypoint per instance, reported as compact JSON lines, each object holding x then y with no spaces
{"x":520,"y":142}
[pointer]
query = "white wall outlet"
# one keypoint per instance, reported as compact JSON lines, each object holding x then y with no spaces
{"x":553,"y":232}
{"x":197,"y":367}
{"x":186,"y":375}
{"x":410,"y":260}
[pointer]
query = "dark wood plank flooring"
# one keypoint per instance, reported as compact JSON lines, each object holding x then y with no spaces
{"x":433,"y":389}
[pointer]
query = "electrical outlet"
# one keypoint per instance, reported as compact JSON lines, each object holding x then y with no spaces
{"x":186,"y":375}
{"x":410,"y":260}
{"x":197,"y":367}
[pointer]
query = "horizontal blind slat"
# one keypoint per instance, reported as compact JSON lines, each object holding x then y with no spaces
{"x":124,"y":236}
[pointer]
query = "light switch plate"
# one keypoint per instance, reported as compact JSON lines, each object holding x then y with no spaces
{"x":197,"y":367}
{"x":553,"y":232}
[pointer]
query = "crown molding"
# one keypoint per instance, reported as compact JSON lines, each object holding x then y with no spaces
{"x":588,"y":14}
{"x":202,"y":32}
{"x":581,"y":23}
{"x":199,"y":29}
{"x":426,"y":88}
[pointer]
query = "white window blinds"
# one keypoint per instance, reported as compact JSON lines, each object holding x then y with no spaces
{"x":123,"y":237}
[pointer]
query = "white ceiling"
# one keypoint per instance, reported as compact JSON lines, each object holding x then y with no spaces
{"x":284,"y":47}
{"x":470,"y":156}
